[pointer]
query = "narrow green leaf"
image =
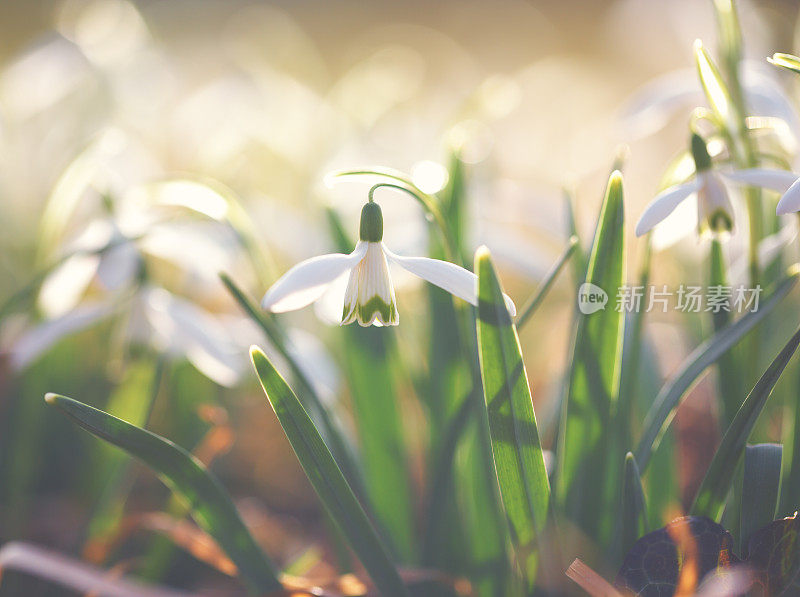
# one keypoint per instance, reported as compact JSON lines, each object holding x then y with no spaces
{"x":787,"y":61}
{"x":705,"y":355}
{"x":518,"y":457}
{"x":579,"y":258}
{"x":142,"y":378}
{"x":633,"y":517}
{"x":719,"y":98}
{"x":332,"y":433}
{"x":327,"y":479}
{"x":730,"y":33}
{"x":370,"y":359}
{"x":541,"y":292}
{"x":211,"y":505}
{"x":710,"y":499}
{"x":590,"y":462}
{"x":760,"y":488}
{"x":730,"y":383}
{"x":465,"y":532}
{"x":790,"y":423}
{"x":632,"y":348}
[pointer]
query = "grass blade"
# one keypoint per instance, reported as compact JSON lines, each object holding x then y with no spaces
{"x":634,"y":513}
{"x":590,"y":465}
{"x":327,"y":479}
{"x":710,"y":499}
{"x":730,"y":383}
{"x":705,"y":355}
{"x":632,"y":348}
{"x":579,"y":258}
{"x":518,"y":457}
{"x":760,"y":489}
{"x":212,"y":507}
{"x":370,"y":365}
{"x":717,"y":93}
{"x":536,"y":299}
{"x":465,"y":532}
{"x":332,"y":434}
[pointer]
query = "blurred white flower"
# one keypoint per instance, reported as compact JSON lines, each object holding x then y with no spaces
{"x":714,"y":209}
{"x":179,"y":328}
{"x":651,"y":107}
{"x":33,"y":342}
{"x":369,"y":295}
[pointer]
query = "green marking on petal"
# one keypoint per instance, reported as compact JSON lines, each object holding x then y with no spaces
{"x":366,"y":313}
{"x":719,"y":222}
{"x":348,"y":313}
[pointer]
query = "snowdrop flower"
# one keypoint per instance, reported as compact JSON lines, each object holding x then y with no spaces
{"x":714,"y":209}
{"x":369,"y":296}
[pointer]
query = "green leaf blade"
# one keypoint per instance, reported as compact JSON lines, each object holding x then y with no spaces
{"x":714,"y":86}
{"x":761,"y":488}
{"x":517,"y":450}
{"x":370,"y":364}
{"x":211,"y":505}
{"x":634,"y":512}
{"x":710,"y":499}
{"x":705,"y":355}
{"x":590,"y":464}
{"x":327,"y":479}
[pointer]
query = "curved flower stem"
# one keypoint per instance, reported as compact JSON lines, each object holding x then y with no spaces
{"x":430,"y":205}
{"x":428,"y":202}
{"x":704,"y":114}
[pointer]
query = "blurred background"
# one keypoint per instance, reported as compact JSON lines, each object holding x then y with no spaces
{"x":147,"y":146}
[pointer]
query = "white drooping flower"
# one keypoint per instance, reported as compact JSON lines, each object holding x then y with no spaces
{"x":369,"y":297}
{"x":714,"y":209}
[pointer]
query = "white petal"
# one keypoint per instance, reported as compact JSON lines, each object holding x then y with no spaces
{"x":329,"y":306}
{"x":448,"y":276}
{"x":39,"y":339}
{"x":183,"y":329}
{"x":663,"y":205}
{"x":790,"y":202}
{"x":369,"y":298}
{"x":64,"y":287}
{"x":776,"y":180}
{"x":677,"y":226}
{"x":307,"y":281}
{"x":118,"y":265}
{"x":712,"y":198}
